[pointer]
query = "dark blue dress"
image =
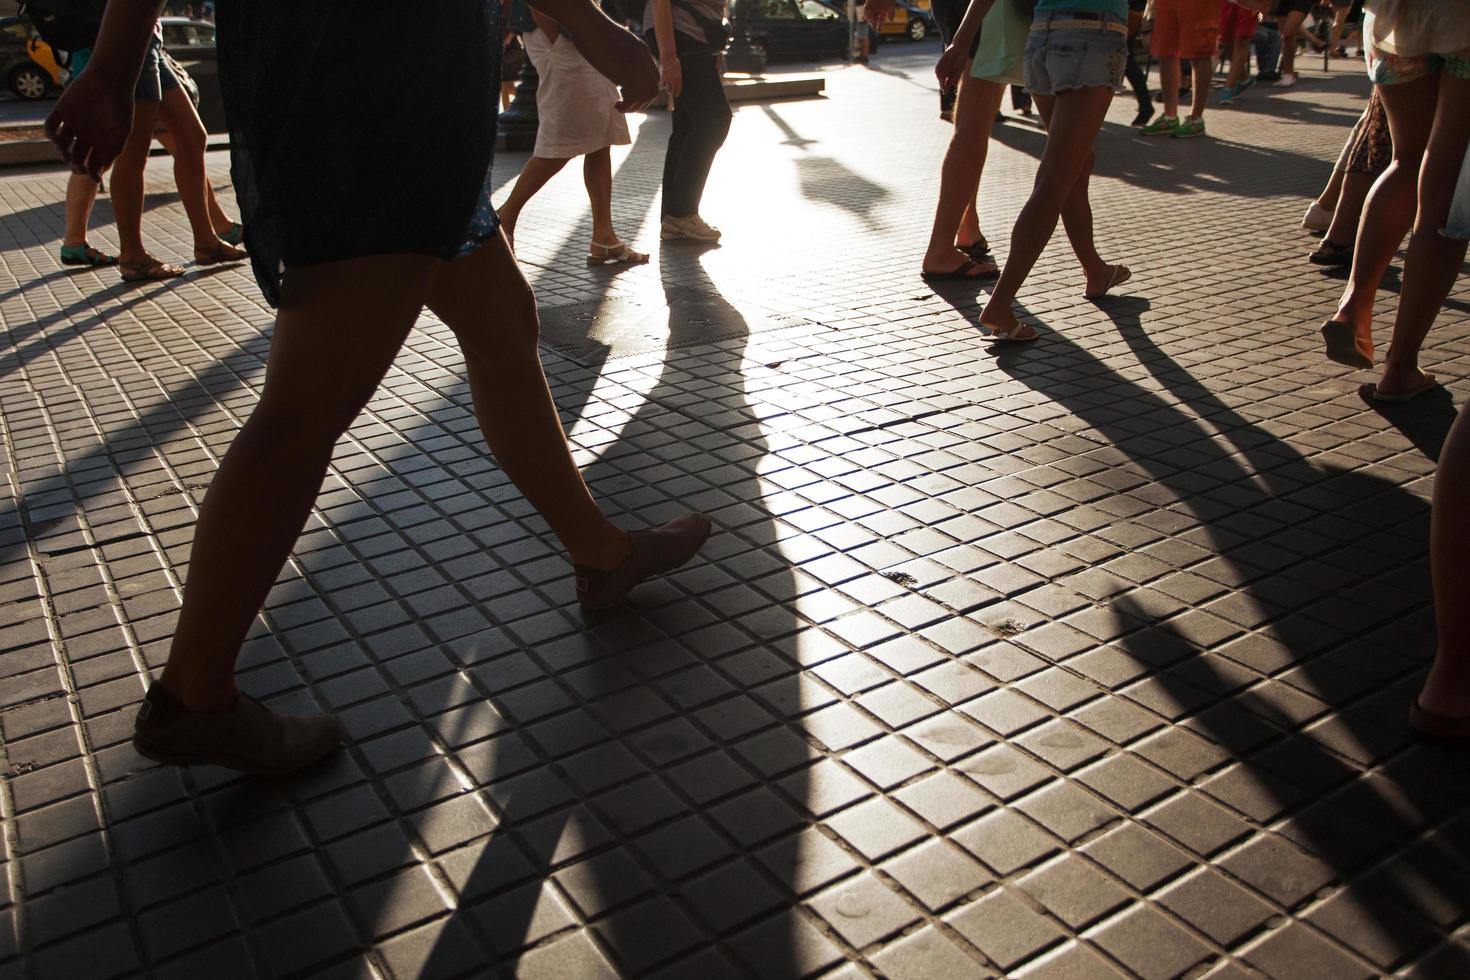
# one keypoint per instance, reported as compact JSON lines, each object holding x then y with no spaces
{"x":359,"y":127}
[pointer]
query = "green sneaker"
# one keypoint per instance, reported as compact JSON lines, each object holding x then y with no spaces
{"x":1188,"y":128}
{"x":1162,"y":126}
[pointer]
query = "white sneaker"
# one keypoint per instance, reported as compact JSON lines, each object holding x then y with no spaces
{"x":1317,"y":218}
{"x":692,"y":228}
{"x":1287,"y":80}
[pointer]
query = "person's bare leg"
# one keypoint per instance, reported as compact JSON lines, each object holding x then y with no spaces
{"x":81,"y":194}
{"x":339,"y":326}
{"x":1077,"y":216}
{"x":127,"y":187}
{"x":1388,"y":212}
{"x":1076,"y":116}
{"x":187,"y":139}
{"x":1344,"y":228}
{"x":597,"y":175}
{"x":1204,"y":72}
{"x":218,"y":219}
{"x":1290,"y":25}
{"x":1240,"y":52}
{"x":534,"y":175}
{"x":959,"y":174}
{"x":486,"y":301}
{"x":1433,"y":261}
{"x":1169,"y":81}
{"x":1327,"y":200}
{"x":1447,"y":688}
{"x":1339,"y":18}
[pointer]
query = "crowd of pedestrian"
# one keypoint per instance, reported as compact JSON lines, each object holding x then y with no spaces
{"x":350,"y":267}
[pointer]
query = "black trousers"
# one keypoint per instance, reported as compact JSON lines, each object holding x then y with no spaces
{"x":701,"y":123}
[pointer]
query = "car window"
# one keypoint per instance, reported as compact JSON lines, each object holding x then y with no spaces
{"x":205,"y":34}
{"x":17,"y":29}
{"x":812,"y":10}
{"x":778,"y":10}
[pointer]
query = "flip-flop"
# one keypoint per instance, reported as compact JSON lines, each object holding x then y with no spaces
{"x":1013,"y":335}
{"x":1437,"y":729}
{"x":1119,"y":275}
{"x":1331,"y":254}
{"x":233,"y":235}
{"x":1427,"y":382}
{"x":964,"y":273}
{"x":150,"y":271}
{"x":85,"y":255}
{"x":979,"y":250}
{"x":1342,"y":345}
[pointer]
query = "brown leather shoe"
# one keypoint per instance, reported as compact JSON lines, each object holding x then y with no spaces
{"x":656,"y":551}
{"x":1446,"y":730}
{"x":249,"y":737}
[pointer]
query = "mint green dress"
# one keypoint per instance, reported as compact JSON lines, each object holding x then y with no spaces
{"x":1003,"y":35}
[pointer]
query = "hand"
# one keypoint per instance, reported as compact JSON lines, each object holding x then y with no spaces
{"x":620,"y":56}
{"x":671,"y":76}
{"x":878,"y":10}
{"x":951,"y":65}
{"x":91,"y":122}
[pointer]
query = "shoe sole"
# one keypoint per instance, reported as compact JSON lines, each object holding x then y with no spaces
{"x":225,"y":759}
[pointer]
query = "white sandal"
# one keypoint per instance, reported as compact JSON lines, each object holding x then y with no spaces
{"x":615,"y":253}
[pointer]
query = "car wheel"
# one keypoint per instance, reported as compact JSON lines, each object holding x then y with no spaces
{"x":918,"y":30}
{"x":29,"y":82}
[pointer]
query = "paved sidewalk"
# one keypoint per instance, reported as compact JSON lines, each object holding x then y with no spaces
{"x":1087,"y":658}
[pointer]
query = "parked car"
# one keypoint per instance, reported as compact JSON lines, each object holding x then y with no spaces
{"x":777,"y":30}
{"x":907,"y":20}
{"x":27,"y":63}
{"x":191,"y":42}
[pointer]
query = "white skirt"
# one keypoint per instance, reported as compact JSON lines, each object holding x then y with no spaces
{"x":575,"y":102}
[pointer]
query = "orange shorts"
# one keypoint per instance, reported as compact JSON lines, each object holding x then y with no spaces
{"x":1185,"y":29}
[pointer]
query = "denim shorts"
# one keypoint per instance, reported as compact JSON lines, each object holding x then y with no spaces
{"x":156,"y":78}
{"x":1069,"y":55}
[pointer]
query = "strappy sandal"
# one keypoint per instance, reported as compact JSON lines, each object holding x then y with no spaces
{"x":233,"y":235}
{"x":1011,"y":335}
{"x":1118,"y":275}
{"x":85,"y":254}
{"x":151,"y":270}
{"x":614,"y":254}
{"x":220,"y":252}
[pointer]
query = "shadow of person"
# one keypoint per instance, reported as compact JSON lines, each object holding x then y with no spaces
{"x":1327,"y":570}
{"x":649,"y":780}
{"x":1425,"y":421}
{"x":829,"y":181}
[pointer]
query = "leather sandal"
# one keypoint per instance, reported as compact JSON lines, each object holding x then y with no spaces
{"x":615,"y":254}
{"x":149,"y":270}
{"x":220,"y":251}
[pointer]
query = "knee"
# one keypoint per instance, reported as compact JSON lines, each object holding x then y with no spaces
{"x":514,"y":332}
{"x":188,"y":143}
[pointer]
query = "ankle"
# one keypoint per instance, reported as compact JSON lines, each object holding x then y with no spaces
{"x":199,"y":695}
{"x":605,"y":553}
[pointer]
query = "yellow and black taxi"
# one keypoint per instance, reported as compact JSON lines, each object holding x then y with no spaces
{"x":27,"y":63}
